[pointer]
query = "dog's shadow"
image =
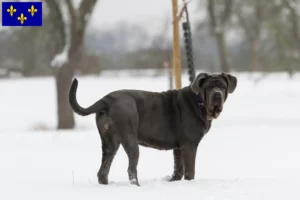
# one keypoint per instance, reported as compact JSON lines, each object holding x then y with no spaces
{"x":152,"y":182}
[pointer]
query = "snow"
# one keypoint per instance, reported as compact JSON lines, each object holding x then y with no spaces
{"x":60,"y":59}
{"x":76,"y":3}
{"x":251,"y":152}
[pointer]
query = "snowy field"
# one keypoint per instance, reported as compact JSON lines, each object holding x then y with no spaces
{"x":252,"y":151}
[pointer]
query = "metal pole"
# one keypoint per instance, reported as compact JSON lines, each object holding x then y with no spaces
{"x":176,"y":47}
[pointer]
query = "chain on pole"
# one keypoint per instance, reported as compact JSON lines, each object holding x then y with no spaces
{"x":188,"y":46}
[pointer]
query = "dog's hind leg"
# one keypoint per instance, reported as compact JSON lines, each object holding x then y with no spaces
{"x":132,"y":150}
{"x":110,"y":146}
{"x":126,"y":122}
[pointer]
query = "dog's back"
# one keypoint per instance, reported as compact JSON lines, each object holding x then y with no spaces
{"x":152,"y":115}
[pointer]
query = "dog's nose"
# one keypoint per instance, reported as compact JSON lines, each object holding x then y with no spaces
{"x":217,"y":95}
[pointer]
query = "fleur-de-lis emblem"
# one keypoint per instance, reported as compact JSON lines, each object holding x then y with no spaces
{"x":22,"y":18}
{"x":32,"y":10}
{"x":11,"y":10}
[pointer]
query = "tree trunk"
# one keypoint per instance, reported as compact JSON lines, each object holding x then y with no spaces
{"x":29,"y":63}
{"x":65,"y":114}
{"x":222,"y":52}
{"x":63,"y":82}
{"x":254,"y":54}
{"x":64,"y":74}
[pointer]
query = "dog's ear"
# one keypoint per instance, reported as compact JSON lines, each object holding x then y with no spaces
{"x":231,"y":82}
{"x":199,"y":80}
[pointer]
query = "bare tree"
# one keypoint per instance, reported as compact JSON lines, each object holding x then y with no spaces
{"x":291,"y":6}
{"x":250,"y":18}
{"x":69,"y":25}
{"x":283,"y":28}
{"x":219,"y":16}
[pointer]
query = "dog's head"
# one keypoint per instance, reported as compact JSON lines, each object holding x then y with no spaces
{"x":214,"y":89}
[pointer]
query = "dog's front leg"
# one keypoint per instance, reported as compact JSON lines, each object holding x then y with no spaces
{"x":178,"y":165}
{"x":189,"y":158}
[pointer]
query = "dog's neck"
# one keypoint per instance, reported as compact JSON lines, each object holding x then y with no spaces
{"x":200,"y":104}
{"x":197,"y":100}
{"x":197,"y":105}
{"x":200,"y":101}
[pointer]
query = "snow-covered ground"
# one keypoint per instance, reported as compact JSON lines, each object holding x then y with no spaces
{"x":251,"y":152}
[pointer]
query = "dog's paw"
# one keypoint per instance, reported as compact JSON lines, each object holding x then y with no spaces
{"x":102,"y":181}
{"x":176,"y":177}
{"x":134,"y":182}
{"x":172,"y":178}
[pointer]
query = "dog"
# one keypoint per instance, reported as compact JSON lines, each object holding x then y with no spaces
{"x":171,"y":120}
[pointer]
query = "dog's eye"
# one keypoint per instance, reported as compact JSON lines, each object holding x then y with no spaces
{"x":223,"y":87}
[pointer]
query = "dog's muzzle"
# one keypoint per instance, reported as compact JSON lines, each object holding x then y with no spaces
{"x":215,"y":104}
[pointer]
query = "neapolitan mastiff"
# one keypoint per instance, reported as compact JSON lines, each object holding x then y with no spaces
{"x":172,"y":120}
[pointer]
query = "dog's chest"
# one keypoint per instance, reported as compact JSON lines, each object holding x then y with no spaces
{"x":207,"y":127}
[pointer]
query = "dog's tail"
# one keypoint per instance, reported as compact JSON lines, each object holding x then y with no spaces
{"x":96,"y":107}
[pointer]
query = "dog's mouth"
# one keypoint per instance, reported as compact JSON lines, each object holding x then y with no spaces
{"x":215,"y":111}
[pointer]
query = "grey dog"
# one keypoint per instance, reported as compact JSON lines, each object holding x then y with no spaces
{"x":172,"y":120}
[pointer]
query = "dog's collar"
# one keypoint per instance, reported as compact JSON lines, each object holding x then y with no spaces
{"x":200,"y":101}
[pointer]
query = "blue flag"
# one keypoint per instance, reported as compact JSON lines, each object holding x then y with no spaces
{"x":22,"y":14}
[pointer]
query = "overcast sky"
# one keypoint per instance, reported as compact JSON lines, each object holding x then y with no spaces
{"x":150,"y":13}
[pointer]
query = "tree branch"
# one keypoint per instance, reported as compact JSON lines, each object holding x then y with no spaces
{"x":57,"y":24}
{"x":258,"y":17}
{"x":212,"y":17}
{"x":85,"y":10}
{"x":72,"y":11}
{"x":243,"y":22}
{"x":56,"y":18}
{"x":227,"y":12}
{"x":294,"y":21}
{"x":72,"y":17}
